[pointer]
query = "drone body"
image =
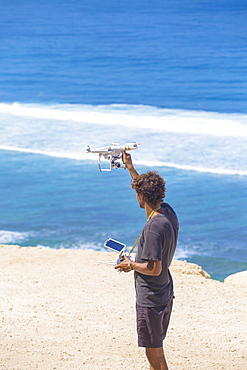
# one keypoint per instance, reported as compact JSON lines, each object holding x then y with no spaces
{"x":112,"y":153}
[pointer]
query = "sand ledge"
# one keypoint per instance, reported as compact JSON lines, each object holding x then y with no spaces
{"x":61,"y":309}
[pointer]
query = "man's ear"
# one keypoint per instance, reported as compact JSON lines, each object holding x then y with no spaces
{"x":140,"y":197}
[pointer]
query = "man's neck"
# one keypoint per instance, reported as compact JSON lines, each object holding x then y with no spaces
{"x":150,"y":208}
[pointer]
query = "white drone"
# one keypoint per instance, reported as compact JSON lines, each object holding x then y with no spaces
{"x":112,"y":153}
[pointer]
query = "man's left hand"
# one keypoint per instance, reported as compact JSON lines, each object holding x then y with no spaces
{"x":124,"y":265}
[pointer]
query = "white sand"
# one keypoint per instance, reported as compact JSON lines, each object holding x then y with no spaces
{"x":60,"y":309}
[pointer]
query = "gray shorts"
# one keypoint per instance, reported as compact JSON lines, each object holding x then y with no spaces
{"x":152,"y":325}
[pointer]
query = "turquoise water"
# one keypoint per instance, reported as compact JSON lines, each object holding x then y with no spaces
{"x":170,"y":75}
{"x":55,"y":202}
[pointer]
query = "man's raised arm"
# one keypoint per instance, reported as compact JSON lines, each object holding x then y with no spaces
{"x":127,"y":161}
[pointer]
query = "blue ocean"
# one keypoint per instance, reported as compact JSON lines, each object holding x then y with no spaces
{"x":171,"y":75}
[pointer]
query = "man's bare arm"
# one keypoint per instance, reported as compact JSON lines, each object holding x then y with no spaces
{"x":127,"y":161}
{"x":151,"y":268}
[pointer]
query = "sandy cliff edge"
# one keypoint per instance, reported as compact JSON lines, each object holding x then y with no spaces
{"x":61,"y":309}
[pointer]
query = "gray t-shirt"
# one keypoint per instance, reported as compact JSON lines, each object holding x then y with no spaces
{"x":157,"y":242}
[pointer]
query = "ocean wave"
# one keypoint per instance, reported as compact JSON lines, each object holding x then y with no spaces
{"x":91,"y":246}
{"x":143,"y":163}
{"x":12,"y":236}
{"x":219,"y":171}
{"x":46,"y":153}
{"x":223,"y":155}
{"x":182,"y":254}
{"x":166,"y":120}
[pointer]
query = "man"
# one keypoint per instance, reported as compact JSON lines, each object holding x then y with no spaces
{"x":156,"y":247}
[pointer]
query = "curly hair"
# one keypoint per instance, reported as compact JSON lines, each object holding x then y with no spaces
{"x":151,"y":185}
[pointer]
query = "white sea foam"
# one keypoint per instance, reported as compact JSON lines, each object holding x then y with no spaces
{"x":182,"y":253}
{"x":12,"y":236}
{"x":47,"y":153}
{"x":91,"y":246}
{"x":220,"y":171}
{"x":217,"y":124}
{"x":216,"y":144}
{"x":153,"y":164}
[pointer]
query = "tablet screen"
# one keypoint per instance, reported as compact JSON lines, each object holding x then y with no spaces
{"x":114,"y":245}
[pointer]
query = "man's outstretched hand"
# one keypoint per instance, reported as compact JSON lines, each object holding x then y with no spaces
{"x":127,"y":161}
